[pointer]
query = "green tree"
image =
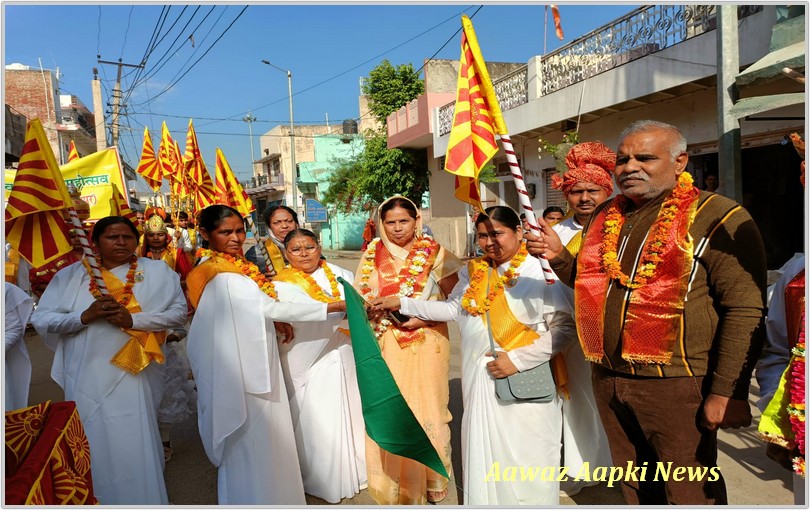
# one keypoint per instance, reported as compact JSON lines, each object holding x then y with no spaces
{"x":389,"y":88}
{"x":378,"y":172}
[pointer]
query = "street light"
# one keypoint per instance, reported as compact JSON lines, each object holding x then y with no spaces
{"x":250,"y":120}
{"x":292,"y":139}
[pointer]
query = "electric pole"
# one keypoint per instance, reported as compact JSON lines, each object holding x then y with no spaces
{"x":116,"y":95}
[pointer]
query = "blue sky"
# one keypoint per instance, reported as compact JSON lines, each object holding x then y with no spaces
{"x":328,"y":48}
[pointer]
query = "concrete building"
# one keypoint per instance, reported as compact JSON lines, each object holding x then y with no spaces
{"x":657,"y":62}
{"x":77,"y":124}
{"x":340,"y":231}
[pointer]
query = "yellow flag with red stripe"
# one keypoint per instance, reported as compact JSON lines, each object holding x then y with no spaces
{"x":193,"y":158}
{"x":149,"y":167}
{"x":205,"y":194}
{"x":120,"y":207}
{"x":34,"y":223}
{"x":73,"y":154}
{"x":476,"y":119}
{"x":229,"y":190}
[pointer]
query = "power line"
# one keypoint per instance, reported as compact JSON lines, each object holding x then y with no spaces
{"x":126,"y":32}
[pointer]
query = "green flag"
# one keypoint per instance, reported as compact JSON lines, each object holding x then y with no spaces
{"x":389,"y":420}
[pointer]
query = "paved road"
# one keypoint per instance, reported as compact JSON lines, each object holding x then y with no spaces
{"x":752,"y":479}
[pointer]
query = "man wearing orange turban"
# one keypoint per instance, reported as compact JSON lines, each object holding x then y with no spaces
{"x":586,"y":184}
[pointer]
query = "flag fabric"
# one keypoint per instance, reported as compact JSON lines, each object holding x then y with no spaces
{"x":73,"y":154}
{"x":180,"y":182}
{"x":229,"y":190}
{"x":34,"y":223}
{"x":476,"y":120}
{"x":388,"y":419}
{"x":193,"y":158}
{"x":556,"y":19}
{"x":149,"y":167}
{"x":120,"y":207}
{"x":168,"y":156}
{"x":205,"y":194}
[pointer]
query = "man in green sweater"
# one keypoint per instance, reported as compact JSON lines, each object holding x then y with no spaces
{"x":670,"y":302}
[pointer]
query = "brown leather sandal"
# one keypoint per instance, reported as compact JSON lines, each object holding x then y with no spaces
{"x":435,"y":497}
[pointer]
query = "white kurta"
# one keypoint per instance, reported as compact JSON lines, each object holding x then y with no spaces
{"x":584,"y":438}
{"x":243,"y":411}
{"x":118,"y":410}
{"x":319,"y":371}
{"x":501,"y":441}
{"x":18,"y":307}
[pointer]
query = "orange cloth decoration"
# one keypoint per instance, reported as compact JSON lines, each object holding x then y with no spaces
{"x":589,"y":162}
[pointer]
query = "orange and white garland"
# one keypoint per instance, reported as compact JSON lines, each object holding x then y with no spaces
{"x":651,"y":255}
{"x":245,"y":267}
{"x":410,"y":285}
{"x":478,"y":279}
{"x":128,"y":283}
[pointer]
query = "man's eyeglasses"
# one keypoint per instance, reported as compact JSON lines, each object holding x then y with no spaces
{"x":299,"y":251}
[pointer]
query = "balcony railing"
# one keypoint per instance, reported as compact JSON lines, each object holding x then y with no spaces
{"x":639,"y":33}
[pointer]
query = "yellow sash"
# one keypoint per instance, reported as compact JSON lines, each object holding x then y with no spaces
{"x":276,"y":257}
{"x":296,"y":277}
{"x":197,"y":279}
{"x":142,"y":347}
{"x":12,"y":266}
{"x":510,"y":333}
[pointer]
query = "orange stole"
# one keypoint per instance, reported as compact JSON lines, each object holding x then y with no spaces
{"x":47,"y":456}
{"x":142,"y":347}
{"x":510,"y":333}
{"x":388,"y":283}
{"x":296,"y":277}
{"x":654,"y":310}
{"x":197,"y":279}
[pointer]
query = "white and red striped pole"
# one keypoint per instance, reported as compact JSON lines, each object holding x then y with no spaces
{"x":526,"y":205}
{"x":88,"y":254}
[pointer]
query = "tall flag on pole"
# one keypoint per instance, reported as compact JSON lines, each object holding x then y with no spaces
{"x":229,"y":190}
{"x":476,"y":120}
{"x":167,"y":156}
{"x":180,"y":179}
{"x":73,"y":154}
{"x":388,"y":419}
{"x":193,"y":158}
{"x":34,"y":223}
{"x":120,"y":207}
{"x":149,"y":167}
{"x":556,"y":19}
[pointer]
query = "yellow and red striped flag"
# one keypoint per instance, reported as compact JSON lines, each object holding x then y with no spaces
{"x":229,"y":190}
{"x":34,"y":223}
{"x":73,"y":154}
{"x":120,"y":207}
{"x":167,"y":155}
{"x":180,"y":179}
{"x":193,"y":158}
{"x":476,"y":120}
{"x":205,"y":195}
{"x":556,"y":19}
{"x":149,"y":167}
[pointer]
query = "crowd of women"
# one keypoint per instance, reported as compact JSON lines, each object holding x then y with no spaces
{"x":277,"y":400}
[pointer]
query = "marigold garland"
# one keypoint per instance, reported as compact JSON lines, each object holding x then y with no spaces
{"x":128,"y":283}
{"x":245,"y":267}
{"x":479,"y":278}
{"x":410,"y":285}
{"x":651,"y":255}
{"x":320,"y":294}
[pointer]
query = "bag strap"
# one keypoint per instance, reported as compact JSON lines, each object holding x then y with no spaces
{"x":487,"y":318}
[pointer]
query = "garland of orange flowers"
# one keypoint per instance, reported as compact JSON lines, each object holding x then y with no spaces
{"x":320,"y":294}
{"x":478,"y":278}
{"x":245,"y":267}
{"x":128,"y":284}
{"x":651,"y":255}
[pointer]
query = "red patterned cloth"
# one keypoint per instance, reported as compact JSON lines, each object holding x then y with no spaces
{"x":589,"y":162}
{"x":47,"y":456}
